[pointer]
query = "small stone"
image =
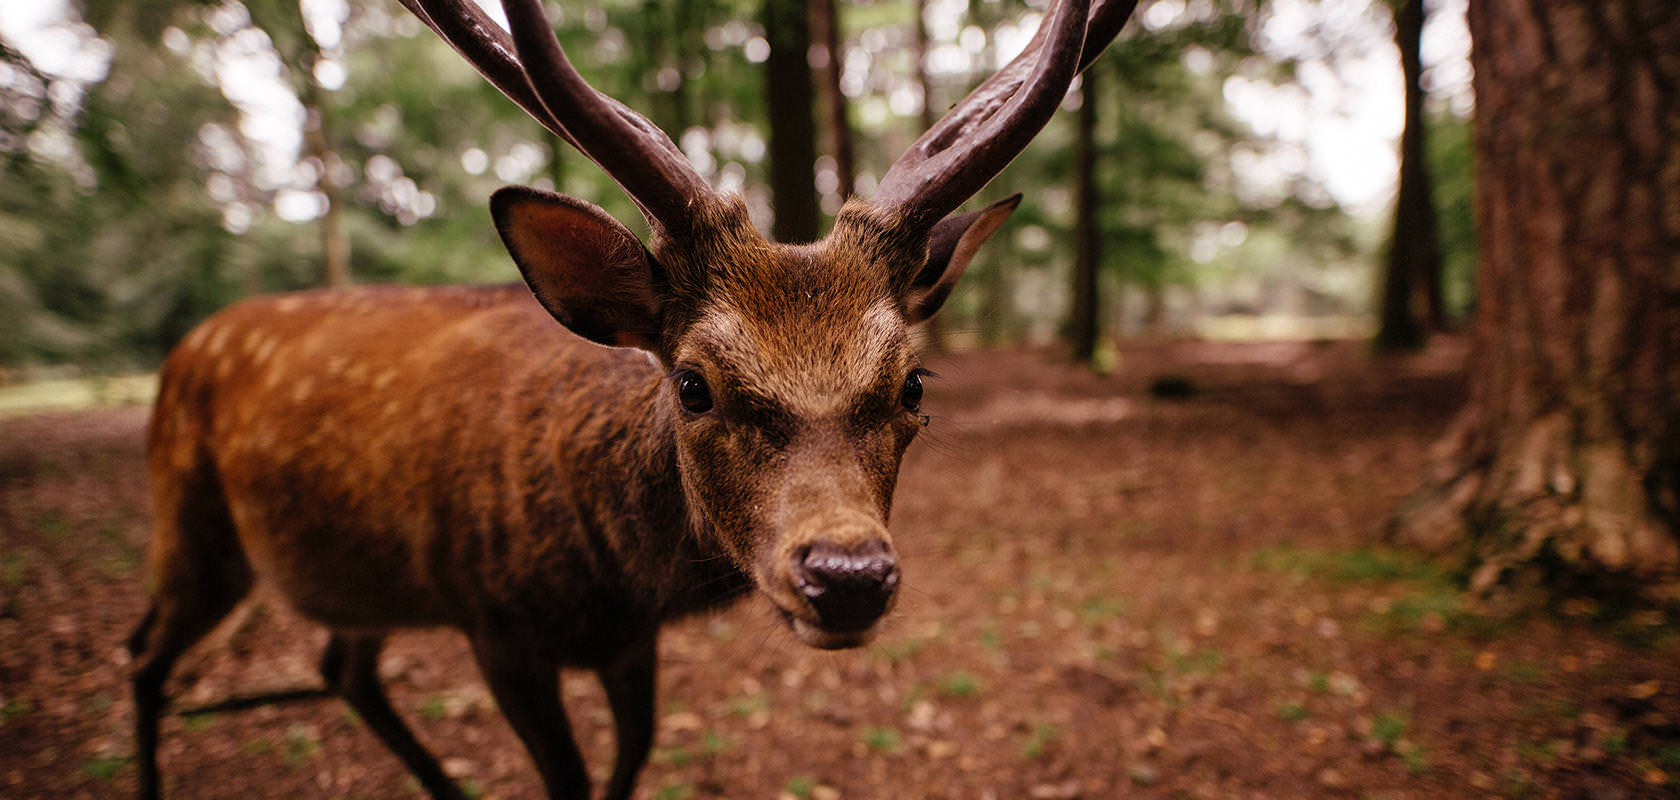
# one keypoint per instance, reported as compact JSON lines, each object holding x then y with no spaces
{"x":1068,"y":790}
{"x":825,"y":792}
{"x":939,"y":748}
{"x":1330,"y":778}
{"x":683,"y":721}
{"x":1143,"y":774}
{"x":457,"y":767}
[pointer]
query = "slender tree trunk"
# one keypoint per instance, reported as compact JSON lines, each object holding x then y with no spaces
{"x":335,"y":243}
{"x":933,"y":331}
{"x":1413,"y":271}
{"x":1084,"y":326}
{"x":1566,"y":463}
{"x":791,"y":100}
{"x":825,"y":24}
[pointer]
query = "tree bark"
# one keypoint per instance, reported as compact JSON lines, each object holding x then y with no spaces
{"x":1412,"y":280}
{"x":1565,"y":466}
{"x":933,"y":330}
{"x":1084,"y":327}
{"x":825,"y":21}
{"x":791,"y":100}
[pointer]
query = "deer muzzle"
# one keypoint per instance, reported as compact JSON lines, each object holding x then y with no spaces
{"x":843,"y":591}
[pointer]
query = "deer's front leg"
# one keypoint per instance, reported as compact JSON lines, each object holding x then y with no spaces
{"x":630,"y":687}
{"x":527,"y":688}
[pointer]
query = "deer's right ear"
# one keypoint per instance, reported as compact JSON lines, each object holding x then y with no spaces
{"x":585,"y":267}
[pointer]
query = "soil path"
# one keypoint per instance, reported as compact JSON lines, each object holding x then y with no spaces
{"x":1110,"y":592}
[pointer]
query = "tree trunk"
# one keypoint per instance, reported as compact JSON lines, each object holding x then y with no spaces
{"x":793,"y":131}
{"x":1413,"y":272}
{"x":1084,"y":327}
{"x":933,"y":330}
{"x":335,"y":243}
{"x":1566,"y":463}
{"x":825,"y":21}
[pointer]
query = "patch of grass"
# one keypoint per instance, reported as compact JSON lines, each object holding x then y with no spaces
{"x":677,"y":757}
{"x":1388,"y":728}
{"x":1614,"y":743}
{"x":880,"y":739}
{"x":257,"y":747}
{"x":1098,"y":610}
{"x":14,"y":568}
{"x":1038,"y":741}
{"x":195,"y":723}
{"x":674,"y":790}
{"x":53,"y":525}
{"x":14,"y":707}
{"x":1348,"y":566}
{"x":434,"y":708}
{"x":959,"y":684}
{"x":1195,"y":662}
{"x":1668,"y":757}
{"x":104,"y":768}
{"x":1293,"y":712}
{"x":712,"y":743}
{"x":1525,"y":672}
{"x":1414,"y":758}
{"x":300,"y":746}
{"x":801,"y":786}
{"x":990,"y":638}
{"x":1318,"y":681}
{"x":748,"y":705}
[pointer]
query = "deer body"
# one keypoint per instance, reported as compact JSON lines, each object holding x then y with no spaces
{"x":394,"y":458}
{"x":451,"y":447}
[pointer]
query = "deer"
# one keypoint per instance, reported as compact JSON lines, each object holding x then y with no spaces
{"x":714,"y":416}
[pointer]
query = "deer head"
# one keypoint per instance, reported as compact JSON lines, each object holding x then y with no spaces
{"x":792,"y":384}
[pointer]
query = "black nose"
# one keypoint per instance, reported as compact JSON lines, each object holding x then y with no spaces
{"x":849,"y":588}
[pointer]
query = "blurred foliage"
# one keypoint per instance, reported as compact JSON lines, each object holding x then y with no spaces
{"x":1452,"y":161}
{"x":134,"y":204}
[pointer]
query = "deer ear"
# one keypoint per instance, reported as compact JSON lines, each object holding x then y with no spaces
{"x":585,"y":267}
{"x":951,"y":246}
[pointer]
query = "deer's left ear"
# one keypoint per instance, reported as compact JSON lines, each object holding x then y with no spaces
{"x":952,"y":245}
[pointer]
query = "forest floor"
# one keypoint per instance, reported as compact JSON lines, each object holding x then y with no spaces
{"x":1108,"y":593}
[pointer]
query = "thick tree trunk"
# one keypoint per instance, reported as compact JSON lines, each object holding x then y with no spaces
{"x":1566,"y":463}
{"x":793,"y":131}
{"x":1083,"y":324}
{"x":1412,"y":283}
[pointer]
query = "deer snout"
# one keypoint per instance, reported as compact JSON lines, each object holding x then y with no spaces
{"x":849,"y":588}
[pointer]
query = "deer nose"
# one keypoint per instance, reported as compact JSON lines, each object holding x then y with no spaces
{"x":849,"y":588}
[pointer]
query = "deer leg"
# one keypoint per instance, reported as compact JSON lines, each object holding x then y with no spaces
{"x":527,"y":689}
{"x":350,"y":666}
{"x":630,"y":687}
{"x":201,"y":575}
{"x":168,"y":629}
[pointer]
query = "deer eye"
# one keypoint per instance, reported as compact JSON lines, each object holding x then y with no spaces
{"x":692,"y":392}
{"x":911,"y":398}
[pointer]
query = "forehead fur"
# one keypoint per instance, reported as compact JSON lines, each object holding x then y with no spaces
{"x":807,"y":326}
{"x":805,"y":336}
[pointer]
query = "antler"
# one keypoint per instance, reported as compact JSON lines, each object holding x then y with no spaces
{"x":979,"y":136}
{"x":532,"y":70}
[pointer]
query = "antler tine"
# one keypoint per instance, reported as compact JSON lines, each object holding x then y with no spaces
{"x":531,"y":69}
{"x":979,"y":136}
{"x":488,"y":48}
{"x":634,"y":151}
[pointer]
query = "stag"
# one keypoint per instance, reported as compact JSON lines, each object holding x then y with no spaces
{"x":715,"y":414}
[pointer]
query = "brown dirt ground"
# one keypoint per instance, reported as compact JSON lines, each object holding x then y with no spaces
{"x":1107,"y":595}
